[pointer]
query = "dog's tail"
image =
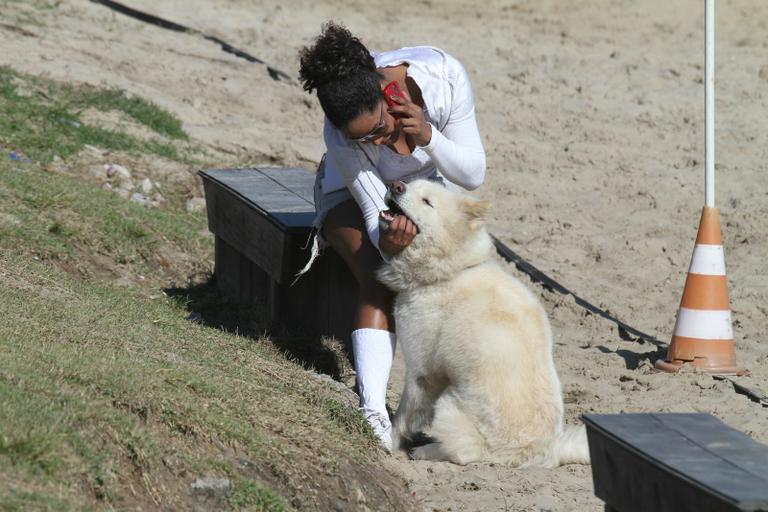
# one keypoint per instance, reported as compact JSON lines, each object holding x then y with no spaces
{"x":571,"y":446}
{"x":568,"y":447}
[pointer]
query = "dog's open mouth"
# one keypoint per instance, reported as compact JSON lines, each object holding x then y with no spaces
{"x":388,"y":216}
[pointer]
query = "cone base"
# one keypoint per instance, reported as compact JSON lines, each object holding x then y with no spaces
{"x":676,"y":365}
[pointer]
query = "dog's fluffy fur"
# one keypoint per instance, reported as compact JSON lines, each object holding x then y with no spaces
{"x":477,"y":344}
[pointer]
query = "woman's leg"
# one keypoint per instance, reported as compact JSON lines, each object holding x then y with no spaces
{"x":373,"y":338}
{"x":345,"y":231}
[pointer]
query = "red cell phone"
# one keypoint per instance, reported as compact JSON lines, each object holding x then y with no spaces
{"x":390,"y":90}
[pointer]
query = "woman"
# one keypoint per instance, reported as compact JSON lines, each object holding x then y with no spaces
{"x":430,"y":133}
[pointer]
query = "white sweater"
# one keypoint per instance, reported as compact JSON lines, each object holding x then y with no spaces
{"x":454,"y":152}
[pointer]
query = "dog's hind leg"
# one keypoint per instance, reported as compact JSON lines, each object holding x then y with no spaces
{"x":458,"y":439}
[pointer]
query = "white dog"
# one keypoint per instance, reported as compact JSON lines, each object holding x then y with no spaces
{"x":477,"y":343}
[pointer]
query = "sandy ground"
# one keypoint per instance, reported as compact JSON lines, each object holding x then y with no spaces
{"x":592,"y":117}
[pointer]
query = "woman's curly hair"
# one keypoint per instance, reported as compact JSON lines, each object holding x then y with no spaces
{"x":343,"y":72}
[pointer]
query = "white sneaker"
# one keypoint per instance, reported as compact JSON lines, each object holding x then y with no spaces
{"x":381,"y":426}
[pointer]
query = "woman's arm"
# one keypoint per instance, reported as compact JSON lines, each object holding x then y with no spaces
{"x":457,"y":149}
{"x":365,"y":184}
{"x":360,"y":177}
{"x":369,"y":193}
{"x":461,"y":162}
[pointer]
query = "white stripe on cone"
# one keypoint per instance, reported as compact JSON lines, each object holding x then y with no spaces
{"x":708,"y":260}
{"x":704,"y":324}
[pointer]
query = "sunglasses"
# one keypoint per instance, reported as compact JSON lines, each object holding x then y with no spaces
{"x":373,"y":134}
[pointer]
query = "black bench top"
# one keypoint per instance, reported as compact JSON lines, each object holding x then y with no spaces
{"x":697,"y":450}
{"x":285,"y":195}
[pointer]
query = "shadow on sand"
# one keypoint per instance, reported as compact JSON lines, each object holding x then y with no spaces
{"x":632,"y":360}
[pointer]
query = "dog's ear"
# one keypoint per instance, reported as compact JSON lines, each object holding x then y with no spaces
{"x":475,"y":209}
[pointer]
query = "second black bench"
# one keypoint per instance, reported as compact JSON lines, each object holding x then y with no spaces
{"x":675,"y":463}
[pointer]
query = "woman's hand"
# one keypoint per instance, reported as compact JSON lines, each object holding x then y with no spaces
{"x":411,"y":119}
{"x":397,"y":236}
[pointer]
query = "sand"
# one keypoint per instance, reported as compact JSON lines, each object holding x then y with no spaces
{"x":592,"y":118}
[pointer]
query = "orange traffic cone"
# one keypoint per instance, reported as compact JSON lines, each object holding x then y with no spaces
{"x":703,"y":336}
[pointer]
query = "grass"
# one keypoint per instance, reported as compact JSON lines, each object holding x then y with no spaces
{"x":109,"y":397}
{"x":101,"y":386}
{"x":142,"y":111}
{"x":41,"y":118}
{"x":96,"y":382}
{"x":57,"y":218}
{"x":246,"y":493}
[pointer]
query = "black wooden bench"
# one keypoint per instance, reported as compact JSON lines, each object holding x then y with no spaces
{"x":675,"y":463}
{"x":262,"y":218}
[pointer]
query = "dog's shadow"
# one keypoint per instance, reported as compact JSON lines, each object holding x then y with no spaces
{"x":208,"y":306}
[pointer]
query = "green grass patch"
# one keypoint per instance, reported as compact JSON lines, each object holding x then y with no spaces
{"x":348,"y":419}
{"x":139,"y":109}
{"x":59,"y":218}
{"x":100,"y":385}
{"x":247,"y":494}
{"x":41,"y":118}
{"x":24,"y":501}
{"x":112,"y":399}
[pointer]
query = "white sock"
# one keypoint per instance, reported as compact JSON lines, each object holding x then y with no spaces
{"x":373,"y":351}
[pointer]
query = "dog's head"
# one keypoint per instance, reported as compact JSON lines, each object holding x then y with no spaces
{"x":451,"y":235}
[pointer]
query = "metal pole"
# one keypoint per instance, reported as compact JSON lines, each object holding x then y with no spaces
{"x":709,"y":104}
